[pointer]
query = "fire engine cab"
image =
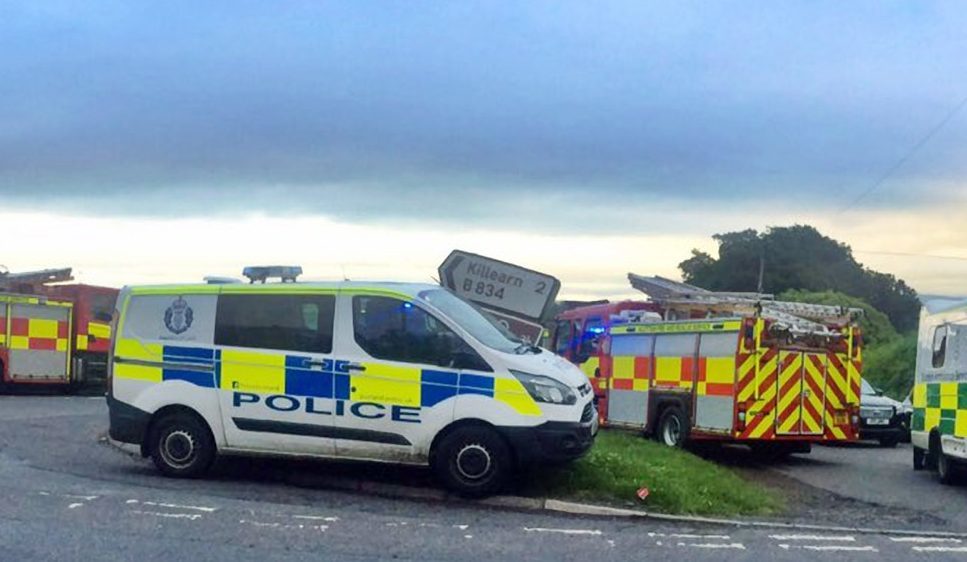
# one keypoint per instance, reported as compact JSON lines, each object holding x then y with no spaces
{"x":691,"y":364}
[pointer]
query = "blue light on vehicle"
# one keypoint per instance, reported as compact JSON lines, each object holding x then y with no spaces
{"x":596,"y":330}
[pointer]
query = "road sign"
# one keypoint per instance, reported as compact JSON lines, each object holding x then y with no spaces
{"x":530,"y":332}
{"x":498,"y":285}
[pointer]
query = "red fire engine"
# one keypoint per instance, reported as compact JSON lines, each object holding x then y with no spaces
{"x":55,"y":335}
{"x":692,"y":364}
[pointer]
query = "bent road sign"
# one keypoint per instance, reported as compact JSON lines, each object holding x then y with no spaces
{"x":531,"y":332}
{"x":499,"y":285}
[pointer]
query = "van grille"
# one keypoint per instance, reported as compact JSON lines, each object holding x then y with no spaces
{"x":588,"y":413}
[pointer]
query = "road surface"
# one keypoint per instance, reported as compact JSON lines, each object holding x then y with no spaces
{"x":67,"y":497}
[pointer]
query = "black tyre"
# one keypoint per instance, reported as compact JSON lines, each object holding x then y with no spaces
{"x":473,"y":461}
{"x":919,"y":459}
{"x":947,"y":470}
{"x":182,"y":446}
{"x":673,"y":428}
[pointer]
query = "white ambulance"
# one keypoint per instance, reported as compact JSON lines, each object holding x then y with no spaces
{"x":403,"y":373}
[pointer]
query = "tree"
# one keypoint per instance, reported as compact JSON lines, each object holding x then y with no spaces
{"x":799,"y":257}
{"x":891,"y":366}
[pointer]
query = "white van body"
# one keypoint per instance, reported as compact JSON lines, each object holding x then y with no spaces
{"x":374,"y":371}
{"x":939,"y":424}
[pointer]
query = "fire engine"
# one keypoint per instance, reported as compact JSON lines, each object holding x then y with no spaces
{"x":697,"y":365}
{"x":53,"y":335}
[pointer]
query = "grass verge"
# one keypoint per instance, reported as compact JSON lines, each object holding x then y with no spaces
{"x":681,"y":483}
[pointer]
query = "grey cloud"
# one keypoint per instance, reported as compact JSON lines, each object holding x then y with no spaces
{"x":365,"y":113}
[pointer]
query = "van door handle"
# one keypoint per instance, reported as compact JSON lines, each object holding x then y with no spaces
{"x":319,"y":364}
{"x":355,"y":367}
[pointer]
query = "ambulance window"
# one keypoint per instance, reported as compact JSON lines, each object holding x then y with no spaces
{"x":391,"y":329}
{"x":284,"y":322}
{"x":939,"y":346}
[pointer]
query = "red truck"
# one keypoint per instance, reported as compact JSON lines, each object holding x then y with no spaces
{"x":53,"y":335}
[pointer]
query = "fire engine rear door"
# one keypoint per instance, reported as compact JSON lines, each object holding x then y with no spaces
{"x":813,"y":393}
{"x":39,"y":341}
{"x":802,"y":393}
{"x":789,"y":397}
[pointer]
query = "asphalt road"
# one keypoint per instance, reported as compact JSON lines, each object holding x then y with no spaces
{"x":869,"y":473}
{"x":67,"y":497}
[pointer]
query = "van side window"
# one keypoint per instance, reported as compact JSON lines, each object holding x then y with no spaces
{"x":939,"y":346}
{"x":283,"y":322}
{"x":394,"y":330}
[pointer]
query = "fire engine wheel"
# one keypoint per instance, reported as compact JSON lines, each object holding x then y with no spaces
{"x":473,"y":461}
{"x":182,"y":446}
{"x":673,"y":427}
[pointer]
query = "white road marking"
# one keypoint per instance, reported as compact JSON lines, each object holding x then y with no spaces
{"x":832,"y":538}
{"x":732,"y":546}
{"x":85,"y":498}
{"x":461,"y":527}
{"x":189,"y":516}
{"x":923,"y":540}
{"x":959,"y":549}
{"x":175,"y":506}
{"x":562,"y":531}
{"x":316,"y":518}
{"x":688,"y":536}
{"x":74,"y":505}
{"x":468,"y":536}
{"x":829,"y":548}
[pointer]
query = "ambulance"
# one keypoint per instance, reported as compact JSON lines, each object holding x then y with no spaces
{"x":939,"y":427}
{"x":399,"y":373}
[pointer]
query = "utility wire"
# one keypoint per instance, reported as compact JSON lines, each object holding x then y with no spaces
{"x":899,"y":163}
{"x":911,"y":255}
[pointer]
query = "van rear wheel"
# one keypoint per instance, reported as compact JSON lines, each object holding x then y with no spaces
{"x":182,"y":446}
{"x":473,"y":461}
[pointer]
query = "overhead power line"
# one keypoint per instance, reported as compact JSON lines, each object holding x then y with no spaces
{"x":899,"y":163}
{"x":911,"y":255}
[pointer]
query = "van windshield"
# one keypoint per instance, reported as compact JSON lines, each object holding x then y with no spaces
{"x":471,"y":319}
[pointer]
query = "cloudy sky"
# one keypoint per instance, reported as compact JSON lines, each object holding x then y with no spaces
{"x":166,"y":141}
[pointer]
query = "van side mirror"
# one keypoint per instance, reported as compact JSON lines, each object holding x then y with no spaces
{"x":103,"y":317}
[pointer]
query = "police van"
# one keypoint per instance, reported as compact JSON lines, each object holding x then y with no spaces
{"x":939,"y":426}
{"x":402,"y":373}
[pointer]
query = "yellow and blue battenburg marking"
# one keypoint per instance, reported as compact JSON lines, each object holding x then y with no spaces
{"x":299,"y":375}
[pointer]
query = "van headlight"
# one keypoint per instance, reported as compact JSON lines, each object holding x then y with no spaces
{"x":545,"y":389}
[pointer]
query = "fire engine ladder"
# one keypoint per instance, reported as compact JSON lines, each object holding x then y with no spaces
{"x":677,"y":297}
{"x":28,"y":281}
{"x":798,"y":318}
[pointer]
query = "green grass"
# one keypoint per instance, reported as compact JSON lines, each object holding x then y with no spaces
{"x":681,"y":483}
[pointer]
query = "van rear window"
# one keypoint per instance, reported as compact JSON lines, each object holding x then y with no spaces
{"x":284,"y":322}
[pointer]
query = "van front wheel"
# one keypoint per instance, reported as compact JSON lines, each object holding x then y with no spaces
{"x":473,"y":461}
{"x":182,"y":446}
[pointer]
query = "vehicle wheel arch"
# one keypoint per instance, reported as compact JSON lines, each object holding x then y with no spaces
{"x":663,"y":403}
{"x":460,"y":424}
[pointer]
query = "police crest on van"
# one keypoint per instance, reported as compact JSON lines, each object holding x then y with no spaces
{"x":179,"y":316}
